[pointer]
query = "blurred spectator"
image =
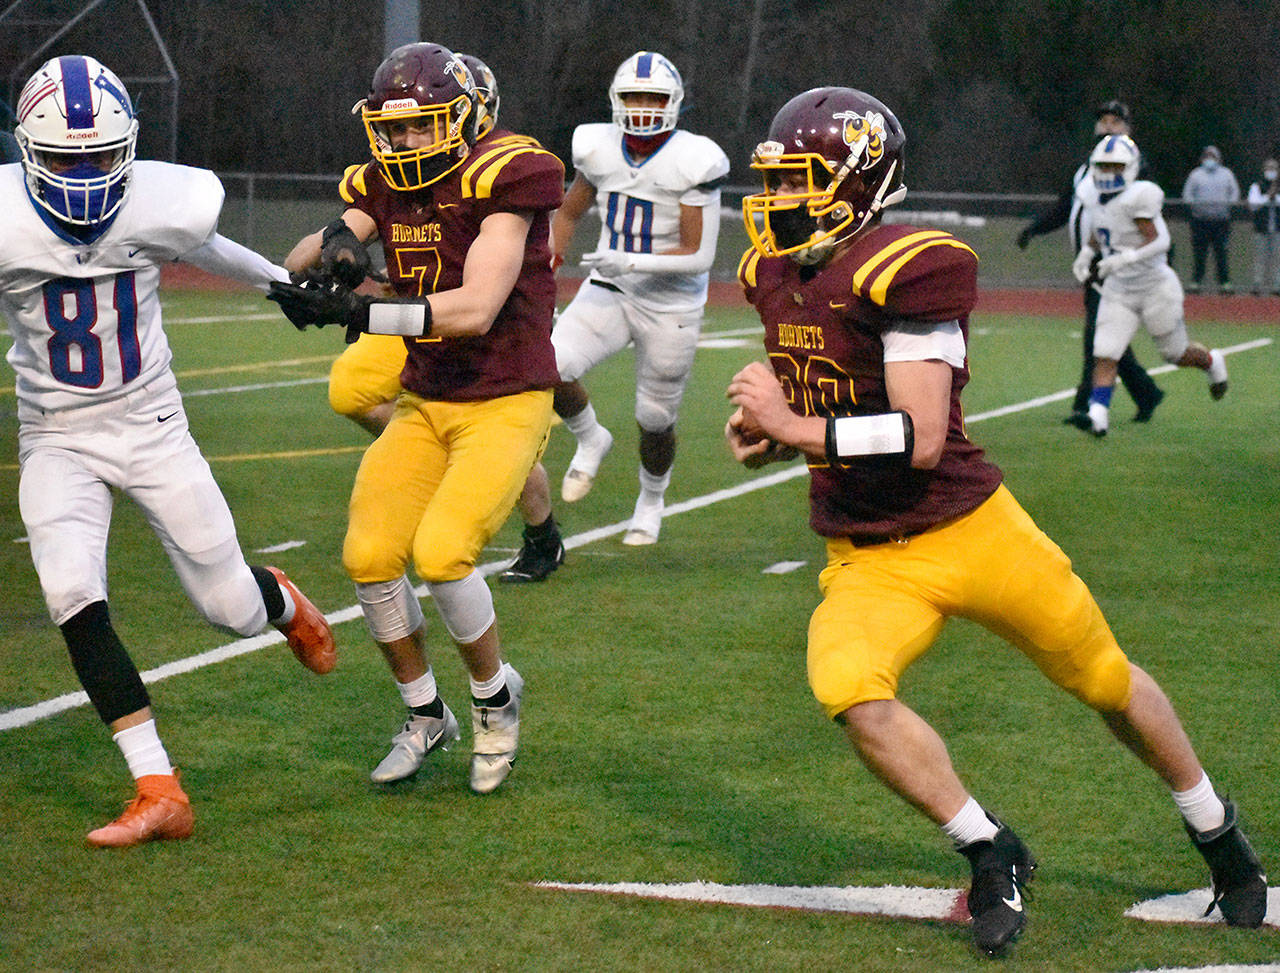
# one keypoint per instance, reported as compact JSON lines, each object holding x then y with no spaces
{"x":1264,"y":204}
{"x":1210,"y":190}
{"x":1113,"y":118}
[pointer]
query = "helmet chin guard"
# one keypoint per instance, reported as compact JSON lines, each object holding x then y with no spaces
{"x":646,"y":73}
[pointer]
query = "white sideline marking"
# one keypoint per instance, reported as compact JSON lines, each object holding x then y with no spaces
{"x":906,"y":902}
{"x":26,"y":715}
{"x":1189,"y":907}
{"x":1233,"y":968}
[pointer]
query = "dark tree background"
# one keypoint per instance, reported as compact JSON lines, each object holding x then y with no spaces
{"x":996,"y":96}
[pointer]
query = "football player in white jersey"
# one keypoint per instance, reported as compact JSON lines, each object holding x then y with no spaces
{"x":656,"y":189}
{"x":85,"y":233}
{"x":1139,"y":288}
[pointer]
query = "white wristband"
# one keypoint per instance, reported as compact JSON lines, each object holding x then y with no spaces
{"x":409,"y":320}
{"x":885,"y":434}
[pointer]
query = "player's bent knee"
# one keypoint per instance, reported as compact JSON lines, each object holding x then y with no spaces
{"x":390,"y":608}
{"x":652,"y":416}
{"x":1105,"y":684}
{"x":465,"y":606}
{"x":366,"y":559}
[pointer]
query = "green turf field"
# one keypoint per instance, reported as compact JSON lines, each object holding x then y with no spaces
{"x":668,"y":733}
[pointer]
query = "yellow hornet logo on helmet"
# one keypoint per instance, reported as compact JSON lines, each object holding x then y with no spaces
{"x":864,"y":134}
{"x":460,"y":73}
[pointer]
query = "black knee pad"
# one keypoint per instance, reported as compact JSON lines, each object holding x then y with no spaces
{"x":103,"y":666}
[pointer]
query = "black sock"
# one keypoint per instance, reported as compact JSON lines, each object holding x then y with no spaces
{"x":270,"y":588}
{"x":544,"y":533}
{"x":496,"y":701}
{"x":434,"y":709}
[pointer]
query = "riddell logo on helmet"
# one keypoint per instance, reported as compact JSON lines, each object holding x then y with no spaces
{"x":400,"y":104}
{"x":91,"y":134}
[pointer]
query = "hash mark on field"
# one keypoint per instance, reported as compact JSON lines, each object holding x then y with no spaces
{"x":26,"y":715}
{"x":784,"y":567}
{"x":905,"y":902}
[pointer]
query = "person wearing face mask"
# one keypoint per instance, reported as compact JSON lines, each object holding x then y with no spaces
{"x":1264,"y":205}
{"x":1112,"y":118}
{"x":1210,"y":190}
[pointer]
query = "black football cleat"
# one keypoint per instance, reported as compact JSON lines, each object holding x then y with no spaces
{"x":1147,"y":409}
{"x":1002,"y":868}
{"x":538,"y":557}
{"x":1239,"y":885}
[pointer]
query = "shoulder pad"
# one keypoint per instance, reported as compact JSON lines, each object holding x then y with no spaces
{"x":590,"y":141}
{"x":747,"y":269}
{"x":526,"y":176}
{"x":1146,"y":199}
{"x":353,"y":184}
{"x":701,"y":161}
{"x":925,"y":274}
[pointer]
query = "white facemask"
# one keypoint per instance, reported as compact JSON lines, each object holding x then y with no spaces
{"x":1210,"y":164}
{"x":1269,"y":173}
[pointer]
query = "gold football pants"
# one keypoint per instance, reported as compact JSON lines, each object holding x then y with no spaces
{"x":884,"y":605}
{"x":366,"y":374}
{"x":439,"y":483}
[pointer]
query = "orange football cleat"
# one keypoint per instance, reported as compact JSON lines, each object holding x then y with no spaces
{"x":160,"y":812}
{"x":308,"y":634}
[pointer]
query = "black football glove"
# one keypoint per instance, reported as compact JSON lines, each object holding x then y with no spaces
{"x":320,"y":304}
{"x":343,"y":257}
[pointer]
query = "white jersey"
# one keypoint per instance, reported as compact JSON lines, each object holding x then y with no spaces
{"x":639,"y":205}
{"x":85,"y":318}
{"x":1114,"y":223}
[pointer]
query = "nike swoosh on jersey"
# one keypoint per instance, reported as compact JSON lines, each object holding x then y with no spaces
{"x":1014,"y":903}
{"x":166,"y":418}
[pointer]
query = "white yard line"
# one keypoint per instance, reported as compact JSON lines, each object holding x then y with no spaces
{"x":26,"y":715}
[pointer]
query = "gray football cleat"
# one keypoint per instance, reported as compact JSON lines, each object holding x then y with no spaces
{"x":496,"y":733}
{"x":409,"y":748}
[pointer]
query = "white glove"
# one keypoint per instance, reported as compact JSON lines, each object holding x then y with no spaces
{"x":1121,"y":258}
{"x":608,"y":263}
{"x":1081,"y":267}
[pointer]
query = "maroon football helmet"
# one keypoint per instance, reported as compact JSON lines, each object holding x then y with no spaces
{"x":832,"y":162}
{"x":421,"y":115}
{"x":486,"y":90}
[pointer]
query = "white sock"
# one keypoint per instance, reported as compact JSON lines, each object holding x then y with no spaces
{"x":1201,"y":806}
{"x":290,"y":607}
{"x":969,"y":825}
{"x":654,"y":485}
{"x":420,"y":692}
{"x":490,"y":687}
{"x":584,"y":423}
{"x":143,"y":751}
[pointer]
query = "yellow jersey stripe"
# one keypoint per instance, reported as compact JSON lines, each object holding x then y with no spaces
{"x":880,"y":288}
{"x":484,"y":185}
{"x":747,"y":267}
{"x":353,"y":176}
{"x":910,"y":240}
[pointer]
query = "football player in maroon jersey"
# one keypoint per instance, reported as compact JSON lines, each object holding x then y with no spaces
{"x":866,"y":327}
{"x":465,"y":235}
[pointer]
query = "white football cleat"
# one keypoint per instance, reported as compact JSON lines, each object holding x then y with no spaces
{"x":409,"y":748}
{"x":1099,"y":418}
{"x":1217,"y":374}
{"x":496,"y":733}
{"x":586,"y":461}
{"x":646,"y":521}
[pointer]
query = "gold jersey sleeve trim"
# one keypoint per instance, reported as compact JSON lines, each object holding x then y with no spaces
{"x":747,"y":267}
{"x":485,"y":170}
{"x":879,"y":292}
{"x":353,"y":179}
{"x":870,"y":265}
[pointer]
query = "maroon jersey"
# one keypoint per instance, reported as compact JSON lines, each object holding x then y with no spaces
{"x":824,"y":335}
{"x":425,"y":236}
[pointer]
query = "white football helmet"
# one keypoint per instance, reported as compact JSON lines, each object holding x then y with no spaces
{"x":646,"y":72}
{"x":1114,"y":149}
{"x":78,"y":136}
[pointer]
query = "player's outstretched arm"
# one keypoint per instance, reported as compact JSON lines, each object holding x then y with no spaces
{"x":223,"y":256}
